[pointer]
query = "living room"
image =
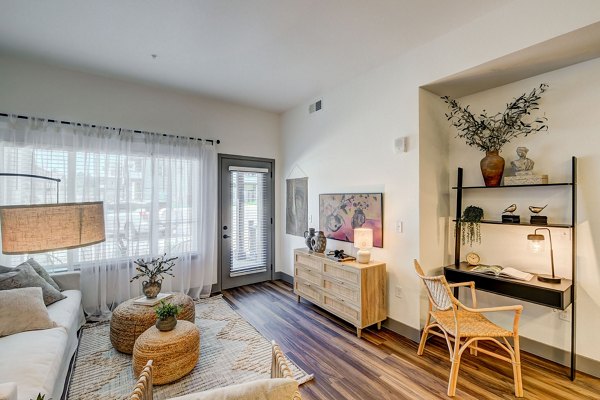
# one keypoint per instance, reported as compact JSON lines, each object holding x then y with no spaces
{"x":381,"y":129}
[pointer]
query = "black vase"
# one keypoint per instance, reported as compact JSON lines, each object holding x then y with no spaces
{"x":308,"y":235}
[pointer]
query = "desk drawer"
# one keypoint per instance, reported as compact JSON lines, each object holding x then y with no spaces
{"x":342,"y":273}
{"x":342,"y":289}
{"x":308,"y":274}
{"x":307,"y":290}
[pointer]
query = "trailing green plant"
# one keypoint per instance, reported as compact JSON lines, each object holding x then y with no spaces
{"x":492,"y":132}
{"x":470,"y":231}
{"x":166,"y":310}
{"x":155,"y":268}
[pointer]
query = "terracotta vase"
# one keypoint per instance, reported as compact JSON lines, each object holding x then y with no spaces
{"x":492,"y":168}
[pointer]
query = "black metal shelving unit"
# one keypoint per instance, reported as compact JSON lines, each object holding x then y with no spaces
{"x":551,"y":295}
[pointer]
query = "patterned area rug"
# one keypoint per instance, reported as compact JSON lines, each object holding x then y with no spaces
{"x":231,"y":351}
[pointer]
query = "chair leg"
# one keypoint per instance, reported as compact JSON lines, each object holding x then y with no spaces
{"x":517,"y":369}
{"x":473,"y":348}
{"x":423,"y":340}
{"x":454,"y":369}
{"x":424,"y":335}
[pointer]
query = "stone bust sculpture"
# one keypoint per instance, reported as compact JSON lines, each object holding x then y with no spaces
{"x":523,"y":165}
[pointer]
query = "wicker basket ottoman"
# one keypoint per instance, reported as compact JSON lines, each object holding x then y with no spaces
{"x":174,"y":353}
{"x":130,"y":320}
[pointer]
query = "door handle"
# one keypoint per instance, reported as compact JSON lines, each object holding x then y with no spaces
{"x":225,"y":236}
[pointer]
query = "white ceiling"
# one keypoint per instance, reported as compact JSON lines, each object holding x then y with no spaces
{"x":270,"y":54}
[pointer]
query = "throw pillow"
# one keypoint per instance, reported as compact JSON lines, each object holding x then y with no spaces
{"x":25,"y":276}
{"x":262,"y":389}
{"x":42,"y":272}
{"x":23,"y":310}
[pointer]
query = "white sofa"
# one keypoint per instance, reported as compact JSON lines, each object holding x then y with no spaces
{"x":38,"y":361}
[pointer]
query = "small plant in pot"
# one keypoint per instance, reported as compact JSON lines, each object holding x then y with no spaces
{"x":470,"y":231}
{"x":153,"y":270}
{"x":166,"y":314}
{"x":489,"y":133}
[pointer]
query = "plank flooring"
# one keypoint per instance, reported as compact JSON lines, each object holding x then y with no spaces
{"x":383,"y":364}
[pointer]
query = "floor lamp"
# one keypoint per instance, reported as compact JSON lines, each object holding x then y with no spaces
{"x":29,"y":229}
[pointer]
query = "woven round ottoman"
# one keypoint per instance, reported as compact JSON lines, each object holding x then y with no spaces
{"x":130,"y":320}
{"x":174,"y":353}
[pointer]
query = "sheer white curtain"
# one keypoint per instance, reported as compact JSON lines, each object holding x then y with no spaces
{"x":159,"y":193}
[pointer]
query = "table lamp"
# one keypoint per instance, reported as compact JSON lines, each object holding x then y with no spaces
{"x":363,"y":241}
{"x":537,"y":244}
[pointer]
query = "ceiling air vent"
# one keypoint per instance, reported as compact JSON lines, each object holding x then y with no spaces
{"x":314,"y":107}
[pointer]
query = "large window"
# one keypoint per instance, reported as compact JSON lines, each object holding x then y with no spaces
{"x":147,"y":199}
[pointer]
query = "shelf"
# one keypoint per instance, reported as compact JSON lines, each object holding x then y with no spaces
{"x":485,"y":221}
{"x":514,"y":186}
{"x":555,"y":295}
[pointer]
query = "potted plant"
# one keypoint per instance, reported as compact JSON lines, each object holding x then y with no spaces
{"x":489,"y":133}
{"x":154,"y":271}
{"x":166,"y":316}
{"x":470,"y":231}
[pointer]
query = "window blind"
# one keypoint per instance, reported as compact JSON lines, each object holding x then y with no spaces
{"x":250,"y":205}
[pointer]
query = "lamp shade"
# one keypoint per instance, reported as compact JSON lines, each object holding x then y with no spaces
{"x":363,"y":238}
{"x":46,"y":227}
{"x":536,"y":242}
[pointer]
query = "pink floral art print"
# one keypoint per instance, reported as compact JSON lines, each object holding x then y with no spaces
{"x":340,"y":214}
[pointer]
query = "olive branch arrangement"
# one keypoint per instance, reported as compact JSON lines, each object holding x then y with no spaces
{"x":492,"y":132}
{"x":155,"y":268}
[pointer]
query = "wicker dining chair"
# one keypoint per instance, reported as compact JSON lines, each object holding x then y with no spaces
{"x":466,"y":326}
{"x":143,"y":387}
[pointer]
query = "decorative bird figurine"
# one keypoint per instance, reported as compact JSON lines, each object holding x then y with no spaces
{"x":510,"y":209}
{"x":537,"y":210}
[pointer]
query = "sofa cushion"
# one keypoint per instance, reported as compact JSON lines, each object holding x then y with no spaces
{"x":67,"y":312}
{"x":263,"y":389}
{"x":41,"y":271}
{"x":33,"y":360}
{"x":25,"y":276}
{"x":23,"y":310}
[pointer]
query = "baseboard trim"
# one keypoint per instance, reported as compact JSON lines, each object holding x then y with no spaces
{"x":215,"y":289}
{"x":559,"y":356}
{"x":284,"y":277}
{"x":402,"y":329}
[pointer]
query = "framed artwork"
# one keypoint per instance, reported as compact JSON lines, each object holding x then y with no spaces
{"x":296,"y":208}
{"x":340,"y":214}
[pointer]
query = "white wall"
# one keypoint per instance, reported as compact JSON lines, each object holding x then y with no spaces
{"x":40,"y":90}
{"x":570,"y":105}
{"x":347,"y":147}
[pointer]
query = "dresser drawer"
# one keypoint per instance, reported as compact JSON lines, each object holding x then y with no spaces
{"x":342,"y":289}
{"x":339,"y":306}
{"x":308,"y":274}
{"x":342,"y":273}
{"x":308,"y":261}
{"x":307,"y":290}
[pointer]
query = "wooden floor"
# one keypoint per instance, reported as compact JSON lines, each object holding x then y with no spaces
{"x":383,"y":364}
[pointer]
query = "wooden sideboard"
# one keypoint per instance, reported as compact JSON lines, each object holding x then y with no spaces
{"x":354,"y":292}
